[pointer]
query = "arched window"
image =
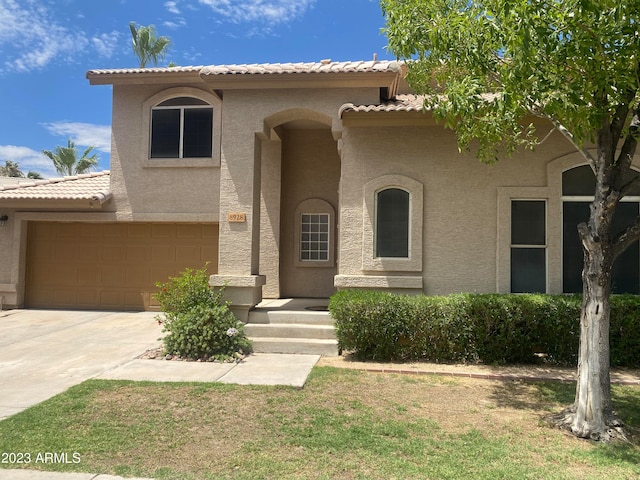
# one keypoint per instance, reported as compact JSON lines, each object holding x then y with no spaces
{"x":392,"y":223}
{"x":182,"y":127}
{"x":578,"y":188}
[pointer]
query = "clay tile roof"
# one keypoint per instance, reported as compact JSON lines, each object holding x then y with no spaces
{"x":325,"y":66}
{"x":165,"y":70}
{"x":401,"y":103}
{"x":89,"y":186}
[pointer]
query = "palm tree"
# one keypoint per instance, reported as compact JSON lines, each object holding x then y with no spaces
{"x":146,"y":45}
{"x":66,"y":161}
{"x":11,"y":169}
{"x":34,"y":175}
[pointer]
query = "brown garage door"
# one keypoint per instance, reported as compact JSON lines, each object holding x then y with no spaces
{"x":111,"y":265}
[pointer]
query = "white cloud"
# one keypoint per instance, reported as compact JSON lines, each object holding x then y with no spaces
{"x":106,"y":43}
{"x":34,"y":38}
{"x":180,"y":22}
{"x":28,"y":159}
{"x":83,"y":134}
{"x":172,"y":7}
{"x":269,"y":12}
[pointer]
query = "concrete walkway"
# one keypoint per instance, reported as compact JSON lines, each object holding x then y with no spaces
{"x":44,"y":352}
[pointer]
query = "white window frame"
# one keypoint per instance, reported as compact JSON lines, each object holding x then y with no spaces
{"x":182,"y":109}
{"x":314,"y":206}
{"x":328,"y":241}
{"x":164,"y":95}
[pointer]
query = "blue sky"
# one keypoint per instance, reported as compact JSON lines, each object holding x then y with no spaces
{"x":47,"y":46}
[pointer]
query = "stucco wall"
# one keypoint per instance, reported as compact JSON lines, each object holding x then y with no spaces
{"x":248,"y":116}
{"x":157,"y":189}
{"x":310,"y":170}
{"x":461,"y":223}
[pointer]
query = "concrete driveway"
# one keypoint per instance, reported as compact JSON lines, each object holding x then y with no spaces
{"x":44,"y":352}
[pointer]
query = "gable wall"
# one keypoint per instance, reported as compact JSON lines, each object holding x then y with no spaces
{"x":145,"y":189}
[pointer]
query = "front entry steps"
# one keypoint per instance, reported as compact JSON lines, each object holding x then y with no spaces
{"x":298,"y":326}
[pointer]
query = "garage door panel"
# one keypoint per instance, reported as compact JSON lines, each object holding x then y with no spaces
{"x":114,"y":253}
{"x":138,"y":253}
{"x":161,"y":231}
{"x":88,"y":275}
{"x":163,"y":254}
{"x":138,"y":276}
{"x":188,"y":254}
{"x":111,"y":266}
{"x":63,"y":297}
{"x":88,"y":253}
{"x":65,"y":251}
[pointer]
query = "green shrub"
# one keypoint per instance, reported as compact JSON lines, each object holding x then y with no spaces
{"x":488,"y":328}
{"x":197,"y":320}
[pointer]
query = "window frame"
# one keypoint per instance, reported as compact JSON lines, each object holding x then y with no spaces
{"x":181,"y":109}
{"x":412,"y":263}
{"x":586,"y":199}
{"x":154,"y":102}
{"x":314,"y":206}
{"x":529,"y":246}
{"x":376,"y":242}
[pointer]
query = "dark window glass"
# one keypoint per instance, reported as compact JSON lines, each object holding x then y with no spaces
{"x":528,"y":265}
{"x":581,"y":181}
{"x":528,"y":270}
{"x":165,"y":133}
{"x":198,"y":127}
{"x":181,"y":101}
{"x":626,"y":268}
{"x":392,"y":223}
{"x":528,"y":222}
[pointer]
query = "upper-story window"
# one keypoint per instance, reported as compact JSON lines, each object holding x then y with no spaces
{"x":182,"y":127}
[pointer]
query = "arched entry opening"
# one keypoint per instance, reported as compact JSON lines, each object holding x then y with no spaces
{"x":300,"y":182}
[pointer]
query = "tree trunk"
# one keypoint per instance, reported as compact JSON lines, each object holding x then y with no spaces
{"x":592,"y":414}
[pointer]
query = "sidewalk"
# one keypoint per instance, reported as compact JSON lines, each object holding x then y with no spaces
{"x":256,"y":369}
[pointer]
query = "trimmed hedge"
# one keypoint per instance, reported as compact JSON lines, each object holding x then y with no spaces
{"x":472,"y":328}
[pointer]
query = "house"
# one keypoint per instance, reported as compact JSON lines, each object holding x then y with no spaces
{"x":294,"y":180}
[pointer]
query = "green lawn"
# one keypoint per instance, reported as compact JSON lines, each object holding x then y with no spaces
{"x":344,"y":424}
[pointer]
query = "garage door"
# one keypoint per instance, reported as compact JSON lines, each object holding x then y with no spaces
{"x":111,"y":265}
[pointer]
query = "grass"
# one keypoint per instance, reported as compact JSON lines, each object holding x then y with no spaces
{"x":344,"y":424}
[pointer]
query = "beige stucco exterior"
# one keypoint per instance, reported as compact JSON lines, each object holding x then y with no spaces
{"x":321,"y":138}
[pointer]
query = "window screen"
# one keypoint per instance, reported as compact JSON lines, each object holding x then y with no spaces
{"x":392,"y":223}
{"x":181,"y":131}
{"x":165,"y":133}
{"x":198,"y":127}
{"x":528,"y":246}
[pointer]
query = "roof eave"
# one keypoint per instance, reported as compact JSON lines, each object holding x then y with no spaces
{"x":301,"y":80}
{"x":58,"y":204}
{"x":98,"y":77}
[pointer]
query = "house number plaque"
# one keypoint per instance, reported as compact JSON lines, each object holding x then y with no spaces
{"x":236,"y":217}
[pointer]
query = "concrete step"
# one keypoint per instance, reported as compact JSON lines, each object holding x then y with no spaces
{"x":308,"y":346}
{"x":290,"y":330}
{"x":290,"y":316}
